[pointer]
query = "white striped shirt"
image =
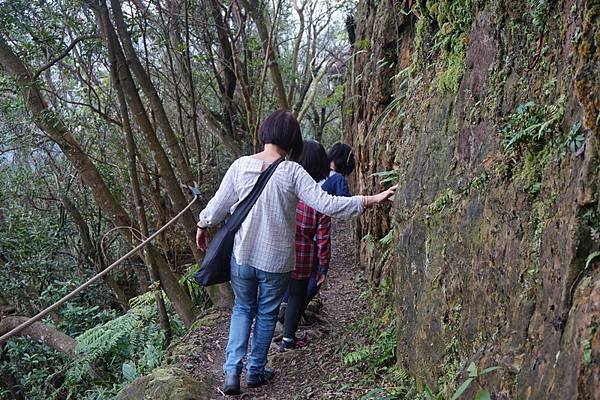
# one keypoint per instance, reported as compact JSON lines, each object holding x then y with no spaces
{"x":266,"y":238}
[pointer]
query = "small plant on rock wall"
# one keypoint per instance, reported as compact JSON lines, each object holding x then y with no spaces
{"x":531,"y":124}
{"x":540,"y":13}
{"x":592,"y":219}
{"x":446,"y":199}
{"x":387,"y":176}
{"x":474,"y":376}
{"x":575,"y":138}
{"x":587,"y":344}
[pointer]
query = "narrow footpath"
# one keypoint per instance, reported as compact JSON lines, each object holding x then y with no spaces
{"x":313,"y":372}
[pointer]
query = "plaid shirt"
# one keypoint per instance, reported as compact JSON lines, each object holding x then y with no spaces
{"x":313,"y":243}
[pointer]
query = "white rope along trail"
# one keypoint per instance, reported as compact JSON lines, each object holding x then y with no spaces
{"x":76,"y":291}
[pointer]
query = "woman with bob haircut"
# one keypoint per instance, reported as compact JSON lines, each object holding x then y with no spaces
{"x":263,"y":252}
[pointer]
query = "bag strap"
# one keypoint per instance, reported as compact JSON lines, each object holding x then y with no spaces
{"x":243,"y":209}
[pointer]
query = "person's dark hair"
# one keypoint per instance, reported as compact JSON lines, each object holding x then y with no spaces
{"x":342,"y":156}
{"x":282,"y":129}
{"x":314,"y":160}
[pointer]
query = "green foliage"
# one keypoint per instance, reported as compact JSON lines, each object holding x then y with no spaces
{"x":363,"y":44}
{"x":32,"y":364}
{"x":591,"y":218}
{"x":532,"y":124}
{"x":195,"y":290}
{"x":428,"y":394}
{"x":384,"y":245}
{"x":532,"y":140}
{"x":587,"y":344}
{"x":387,"y":176}
{"x":388,"y":239}
{"x":474,"y":375}
{"x":444,"y":200}
{"x":591,"y":258}
{"x":128,"y":346}
{"x":540,"y":13}
{"x":370,"y":241}
{"x":449,"y":80}
{"x":575,"y":138}
{"x":381,"y":353}
{"x":370,"y":343}
{"x":395,"y":106}
{"x":477,"y":184}
{"x":452,"y":20}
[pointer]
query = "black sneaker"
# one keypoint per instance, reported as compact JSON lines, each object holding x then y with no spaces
{"x":294,"y":344}
{"x":256,"y":380}
{"x":285,"y":345}
{"x":232,"y":384}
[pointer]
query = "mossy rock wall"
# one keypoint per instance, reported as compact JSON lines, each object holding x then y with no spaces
{"x":489,"y":112}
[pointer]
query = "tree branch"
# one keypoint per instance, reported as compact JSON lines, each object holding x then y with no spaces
{"x":42,"y":333}
{"x":63,"y":54}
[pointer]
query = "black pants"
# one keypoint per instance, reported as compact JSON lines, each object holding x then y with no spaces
{"x":295,"y":306}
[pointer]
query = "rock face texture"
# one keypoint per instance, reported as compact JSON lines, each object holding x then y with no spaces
{"x":487,"y":114}
{"x":169,"y":383}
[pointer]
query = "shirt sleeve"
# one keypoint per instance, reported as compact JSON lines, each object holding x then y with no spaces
{"x":337,"y":185}
{"x":219,"y":206}
{"x":343,"y":188}
{"x":314,"y":196}
{"x":323,"y":238}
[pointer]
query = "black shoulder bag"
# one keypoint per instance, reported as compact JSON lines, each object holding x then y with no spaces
{"x":216,"y":265}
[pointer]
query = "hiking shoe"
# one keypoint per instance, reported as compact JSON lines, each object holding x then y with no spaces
{"x":232,"y":384}
{"x":294,"y":344}
{"x":256,"y":380}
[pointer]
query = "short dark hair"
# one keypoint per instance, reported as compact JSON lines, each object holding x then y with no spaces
{"x":282,"y":129}
{"x":314,"y":160}
{"x":342,"y":156}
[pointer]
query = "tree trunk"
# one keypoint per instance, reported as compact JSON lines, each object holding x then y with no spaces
{"x":135,"y":104}
{"x":42,"y":333}
{"x":150,"y":91}
{"x":229,"y":78}
{"x":169,"y":281}
{"x":221,"y":294}
{"x":139,"y":204}
{"x":256,"y":11}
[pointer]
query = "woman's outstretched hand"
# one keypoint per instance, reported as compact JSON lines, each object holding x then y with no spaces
{"x":201,"y":239}
{"x":380,"y":197}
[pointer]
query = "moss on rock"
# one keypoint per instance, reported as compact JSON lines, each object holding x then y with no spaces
{"x":169,"y":383}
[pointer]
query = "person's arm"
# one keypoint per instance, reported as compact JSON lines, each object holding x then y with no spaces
{"x":314,"y":196}
{"x":219,"y":206}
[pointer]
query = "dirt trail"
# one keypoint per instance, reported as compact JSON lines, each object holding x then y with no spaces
{"x":313,"y":372}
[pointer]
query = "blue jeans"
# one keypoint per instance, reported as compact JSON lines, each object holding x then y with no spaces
{"x":257,"y":297}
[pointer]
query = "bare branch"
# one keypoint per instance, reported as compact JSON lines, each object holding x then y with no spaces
{"x":63,"y":54}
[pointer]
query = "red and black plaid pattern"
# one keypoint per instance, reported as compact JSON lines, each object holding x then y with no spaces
{"x":313,"y":240}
